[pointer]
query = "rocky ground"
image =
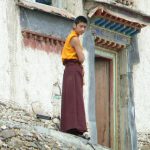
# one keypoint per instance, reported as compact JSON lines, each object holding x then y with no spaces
{"x":20,"y":130}
{"x":143,"y":141}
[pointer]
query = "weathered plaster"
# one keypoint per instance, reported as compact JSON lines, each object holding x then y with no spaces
{"x":41,"y":71}
{"x":88,"y":43}
{"x":141,"y":77}
{"x":4,"y":54}
{"x":142,"y":6}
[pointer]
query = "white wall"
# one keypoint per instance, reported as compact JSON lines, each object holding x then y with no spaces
{"x":143,"y":6}
{"x":4,"y":54}
{"x":141,"y":75}
{"x":142,"y":82}
{"x":26,"y":75}
{"x":36,"y":75}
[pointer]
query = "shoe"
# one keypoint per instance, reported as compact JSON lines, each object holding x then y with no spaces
{"x":84,"y":136}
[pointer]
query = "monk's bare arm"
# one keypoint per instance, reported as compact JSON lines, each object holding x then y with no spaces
{"x":75,"y":42}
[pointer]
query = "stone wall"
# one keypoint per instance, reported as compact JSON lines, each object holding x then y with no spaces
{"x":143,"y":141}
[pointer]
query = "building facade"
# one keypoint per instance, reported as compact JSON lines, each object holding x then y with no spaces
{"x":116,"y":67}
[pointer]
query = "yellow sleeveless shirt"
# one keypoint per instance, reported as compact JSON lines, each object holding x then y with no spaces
{"x":68,"y":52}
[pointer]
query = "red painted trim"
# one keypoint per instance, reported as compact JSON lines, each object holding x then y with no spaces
{"x":44,"y":42}
{"x":108,"y":44}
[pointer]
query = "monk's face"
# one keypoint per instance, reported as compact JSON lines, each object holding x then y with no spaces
{"x":80,"y":28}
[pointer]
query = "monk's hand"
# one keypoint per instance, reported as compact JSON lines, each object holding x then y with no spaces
{"x":83,"y":75}
{"x":83,"y":72}
{"x":83,"y":82}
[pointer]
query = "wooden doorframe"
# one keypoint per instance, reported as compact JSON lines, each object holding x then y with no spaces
{"x":112,"y":55}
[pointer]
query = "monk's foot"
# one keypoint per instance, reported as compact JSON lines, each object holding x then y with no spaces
{"x":85,"y":135}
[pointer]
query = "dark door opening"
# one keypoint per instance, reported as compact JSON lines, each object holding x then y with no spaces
{"x":47,"y":2}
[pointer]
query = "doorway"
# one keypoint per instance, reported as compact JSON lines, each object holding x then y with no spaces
{"x":104,"y":100}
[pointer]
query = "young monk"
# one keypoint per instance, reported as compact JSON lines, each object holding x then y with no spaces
{"x":72,"y":109}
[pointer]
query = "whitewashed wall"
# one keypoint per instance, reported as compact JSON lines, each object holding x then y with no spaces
{"x":142,"y":82}
{"x":36,"y":76}
{"x":141,"y":75}
{"x":37,"y":73}
{"x":27,"y":76}
{"x":4,"y":54}
{"x":8,"y":46}
{"x":143,"y":6}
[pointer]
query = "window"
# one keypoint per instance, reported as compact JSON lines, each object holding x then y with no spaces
{"x":47,"y":2}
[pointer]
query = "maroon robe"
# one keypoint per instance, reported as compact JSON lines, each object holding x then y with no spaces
{"x":72,"y":108}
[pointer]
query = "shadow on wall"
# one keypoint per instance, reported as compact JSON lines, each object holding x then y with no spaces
{"x":134,"y":56}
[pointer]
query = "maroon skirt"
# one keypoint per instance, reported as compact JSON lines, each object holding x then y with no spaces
{"x":72,"y":106}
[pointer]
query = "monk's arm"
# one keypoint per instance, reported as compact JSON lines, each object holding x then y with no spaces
{"x":75,"y":42}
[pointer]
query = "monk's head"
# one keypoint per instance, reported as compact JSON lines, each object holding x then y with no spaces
{"x":80,"y":24}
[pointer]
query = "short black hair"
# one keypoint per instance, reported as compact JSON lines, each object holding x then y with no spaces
{"x":80,"y":19}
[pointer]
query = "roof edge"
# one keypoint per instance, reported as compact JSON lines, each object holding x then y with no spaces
{"x":117,"y":5}
{"x":45,"y":8}
{"x":126,"y":13}
{"x":116,"y":17}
